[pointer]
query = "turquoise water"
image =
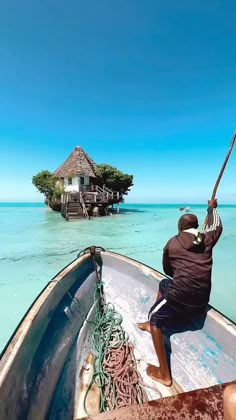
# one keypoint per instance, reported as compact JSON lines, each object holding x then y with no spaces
{"x":36,"y":243}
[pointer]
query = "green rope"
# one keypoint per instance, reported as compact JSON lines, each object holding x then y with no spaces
{"x":107,"y":333}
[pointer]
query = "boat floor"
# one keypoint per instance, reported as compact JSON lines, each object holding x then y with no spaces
{"x":204,"y":404}
{"x":195,"y":357}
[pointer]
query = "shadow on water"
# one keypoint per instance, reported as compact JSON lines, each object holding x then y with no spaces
{"x":195,"y":324}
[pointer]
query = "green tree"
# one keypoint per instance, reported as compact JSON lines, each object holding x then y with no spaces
{"x":113,"y":178}
{"x":46,"y":184}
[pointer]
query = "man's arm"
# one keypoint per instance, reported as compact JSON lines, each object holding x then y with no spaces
{"x":166,"y":261}
{"x":214,"y":225}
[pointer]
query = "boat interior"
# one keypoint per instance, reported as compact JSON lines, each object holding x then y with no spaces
{"x":50,"y":360}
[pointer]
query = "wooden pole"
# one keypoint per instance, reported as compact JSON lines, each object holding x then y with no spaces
{"x":223,"y":167}
{"x":213,"y":196}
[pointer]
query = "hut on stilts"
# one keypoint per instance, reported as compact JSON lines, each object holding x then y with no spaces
{"x":83,"y":197}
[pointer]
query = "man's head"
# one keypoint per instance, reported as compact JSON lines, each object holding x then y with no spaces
{"x":187,"y":221}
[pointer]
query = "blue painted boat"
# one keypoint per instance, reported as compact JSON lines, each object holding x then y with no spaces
{"x":42,"y":365}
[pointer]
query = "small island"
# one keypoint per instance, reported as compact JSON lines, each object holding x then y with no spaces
{"x":80,"y":188}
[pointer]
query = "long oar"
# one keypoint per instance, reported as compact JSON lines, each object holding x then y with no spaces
{"x":221,"y":173}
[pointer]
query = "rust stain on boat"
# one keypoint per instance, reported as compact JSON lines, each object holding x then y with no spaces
{"x":202,"y":404}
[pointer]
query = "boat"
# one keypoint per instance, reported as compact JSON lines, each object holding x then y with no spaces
{"x":47,"y":369}
{"x":184,"y":209}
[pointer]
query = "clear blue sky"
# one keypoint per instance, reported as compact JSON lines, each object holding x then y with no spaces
{"x":148,"y":86}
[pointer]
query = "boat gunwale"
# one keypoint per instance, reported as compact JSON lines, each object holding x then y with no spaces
{"x":16,"y":339}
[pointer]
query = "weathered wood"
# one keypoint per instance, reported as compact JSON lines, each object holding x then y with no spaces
{"x":83,"y":204}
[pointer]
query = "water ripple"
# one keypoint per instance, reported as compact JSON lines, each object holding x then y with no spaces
{"x":43,"y":254}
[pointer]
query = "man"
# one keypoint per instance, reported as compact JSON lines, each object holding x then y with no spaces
{"x":230,"y":402}
{"x":187,"y":258}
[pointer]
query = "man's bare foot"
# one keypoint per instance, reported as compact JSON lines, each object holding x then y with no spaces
{"x":144,"y":326}
{"x":155,"y":373}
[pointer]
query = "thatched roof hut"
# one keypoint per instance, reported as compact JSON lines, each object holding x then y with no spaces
{"x":77,"y":163}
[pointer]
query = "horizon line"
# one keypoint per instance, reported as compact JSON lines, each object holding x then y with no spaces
{"x":132,"y":203}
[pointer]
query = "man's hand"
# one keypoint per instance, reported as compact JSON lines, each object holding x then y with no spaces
{"x":212,"y":203}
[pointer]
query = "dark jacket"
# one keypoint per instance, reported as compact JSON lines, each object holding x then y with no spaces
{"x":188,"y":259}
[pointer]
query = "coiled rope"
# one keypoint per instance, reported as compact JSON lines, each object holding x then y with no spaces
{"x":115,"y":368}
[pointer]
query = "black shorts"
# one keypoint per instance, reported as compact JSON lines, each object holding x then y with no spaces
{"x":162,"y":314}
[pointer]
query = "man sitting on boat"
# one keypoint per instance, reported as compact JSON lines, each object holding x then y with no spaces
{"x":187,"y":258}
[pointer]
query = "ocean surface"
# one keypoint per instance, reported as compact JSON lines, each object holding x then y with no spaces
{"x":36,"y":243}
